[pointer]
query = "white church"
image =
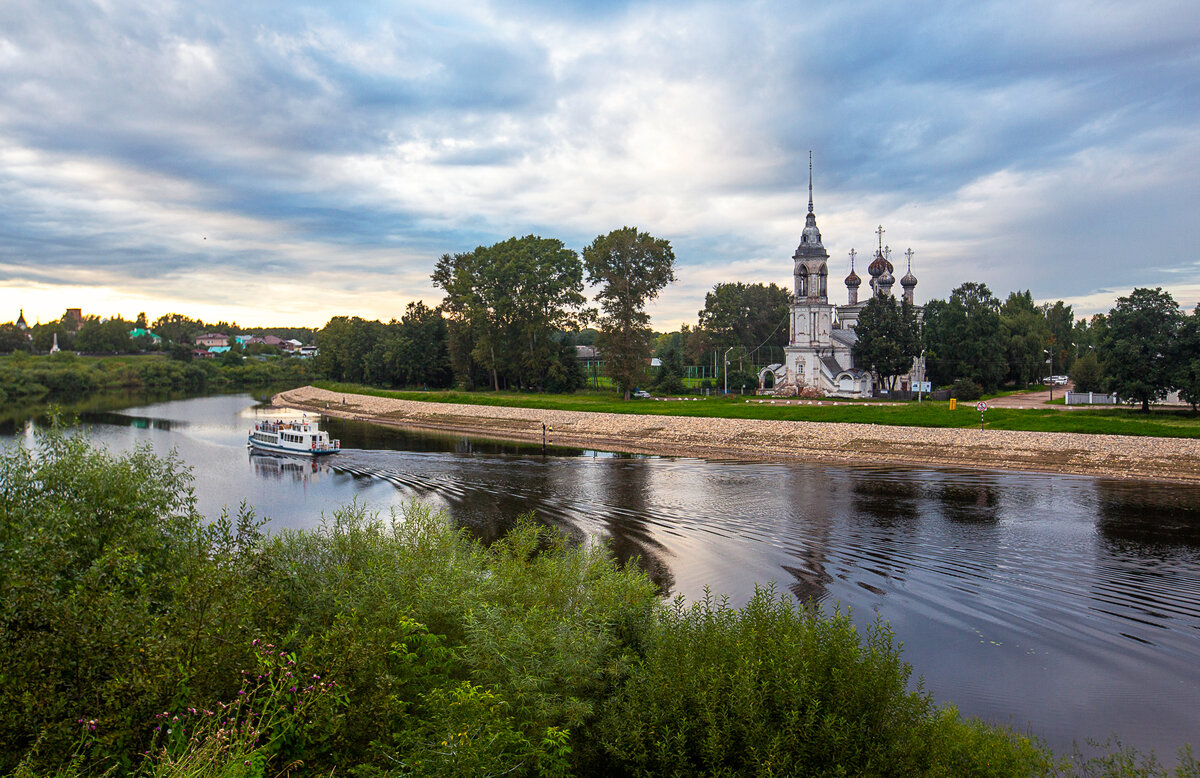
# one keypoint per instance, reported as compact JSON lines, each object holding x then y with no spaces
{"x":818,"y":358}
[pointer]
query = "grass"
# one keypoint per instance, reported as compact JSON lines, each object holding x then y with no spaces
{"x":1166,"y":423}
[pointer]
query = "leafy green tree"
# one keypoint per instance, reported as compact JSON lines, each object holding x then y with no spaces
{"x":13,"y":339}
{"x":889,"y":339}
{"x":565,"y":374}
{"x":1060,"y":321}
{"x":507,"y":300}
{"x":670,"y":374}
{"x":427,"y":357}
{"x":1087,"y":373}
{"x":963,"y":337}
{"x":1185,"y":359}
{"x":631,"y":268}
{"x":1026,"y":337}
{"x":1141,"y":331}
{"x":747,"y":315}
{"x":177,"y":328}
{"x":43,"y":336}
{"x":344,"y":346}
{"x":107,"y":337}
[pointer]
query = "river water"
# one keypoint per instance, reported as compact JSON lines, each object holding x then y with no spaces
{"x":1064,"y":606}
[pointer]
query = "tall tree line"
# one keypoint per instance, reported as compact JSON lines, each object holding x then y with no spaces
{"x":413,"y":351}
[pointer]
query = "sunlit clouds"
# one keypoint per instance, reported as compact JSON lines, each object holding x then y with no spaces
{"x":283,"y":163}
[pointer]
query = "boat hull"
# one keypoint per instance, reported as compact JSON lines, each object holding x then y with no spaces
{"x":297,"y":451}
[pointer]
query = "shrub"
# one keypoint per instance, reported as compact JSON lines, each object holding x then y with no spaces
{"x":966,"y":390}
{"x":778,"y":689}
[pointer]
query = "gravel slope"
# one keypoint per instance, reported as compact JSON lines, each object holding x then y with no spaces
{"x":1115,"y":456}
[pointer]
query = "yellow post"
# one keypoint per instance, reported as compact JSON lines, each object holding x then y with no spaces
{"x":953,"y":403}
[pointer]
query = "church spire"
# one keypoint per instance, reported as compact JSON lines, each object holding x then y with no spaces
{"x":810,"y":203}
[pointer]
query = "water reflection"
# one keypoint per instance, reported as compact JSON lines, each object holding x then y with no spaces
{"x":292,"y":468}
{"x":969,"y":503}
{"x":1147,"y":515}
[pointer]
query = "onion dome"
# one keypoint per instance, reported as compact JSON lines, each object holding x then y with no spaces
{"x":909,"y":280}
{"x":879,"y":265}
{"x":852,"y":280}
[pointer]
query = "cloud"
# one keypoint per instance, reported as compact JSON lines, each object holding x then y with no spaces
{"x":337,"y":151}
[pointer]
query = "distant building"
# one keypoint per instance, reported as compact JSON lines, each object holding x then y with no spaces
{"x":140,"y":332}
{"x":73,"y":319}
{"x":21,"y":325}
{"x":208,"y":340}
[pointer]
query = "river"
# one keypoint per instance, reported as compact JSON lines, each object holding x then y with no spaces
{"x":1064,"y":606}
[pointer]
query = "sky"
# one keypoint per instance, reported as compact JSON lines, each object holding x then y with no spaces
{"x":279,"y":163}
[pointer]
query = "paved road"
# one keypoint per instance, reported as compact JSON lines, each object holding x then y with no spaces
{"x":1035,"y":399}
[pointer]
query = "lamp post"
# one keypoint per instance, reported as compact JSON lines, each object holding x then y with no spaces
{"x":1050,"y":361}
{"x":921,"y":384}
{"x":725,"y":369}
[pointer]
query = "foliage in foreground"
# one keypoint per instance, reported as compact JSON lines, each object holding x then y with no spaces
{"x":137,"y":638}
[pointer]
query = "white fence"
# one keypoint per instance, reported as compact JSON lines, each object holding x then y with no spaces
{"x":1091,"y":398}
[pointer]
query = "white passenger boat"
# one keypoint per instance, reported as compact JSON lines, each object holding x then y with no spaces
{"x":292,"y":437}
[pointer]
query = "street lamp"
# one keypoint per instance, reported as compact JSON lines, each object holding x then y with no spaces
{"x":731,"y":348}
{"x":921,"y":384}
{"x":1050,"y":361}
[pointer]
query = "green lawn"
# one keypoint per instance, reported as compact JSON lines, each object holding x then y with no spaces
{"x":1112,"y":421}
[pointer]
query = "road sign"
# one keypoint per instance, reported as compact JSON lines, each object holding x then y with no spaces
{"x":981,"y":406}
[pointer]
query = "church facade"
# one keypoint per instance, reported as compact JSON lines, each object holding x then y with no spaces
{"x":818,"y":360}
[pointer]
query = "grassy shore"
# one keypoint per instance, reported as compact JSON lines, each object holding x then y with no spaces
{"x":1161,"y":422}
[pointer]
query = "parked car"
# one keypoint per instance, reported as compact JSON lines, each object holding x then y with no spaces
{"x":1060,"y":380}
{"x":641,"y":393}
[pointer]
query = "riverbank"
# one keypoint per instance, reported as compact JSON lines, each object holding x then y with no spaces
{"x":1108,"y":456}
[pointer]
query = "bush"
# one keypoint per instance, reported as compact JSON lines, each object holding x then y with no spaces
{"x":136,"y":637}
{"x":1088,"y":374}
{"x":966,"y":390}
{"x":771,"y":687}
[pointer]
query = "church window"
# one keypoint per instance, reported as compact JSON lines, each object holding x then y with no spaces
{"x":802,"y":290}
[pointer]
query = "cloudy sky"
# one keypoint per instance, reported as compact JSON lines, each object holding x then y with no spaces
{"x":284,"y":162}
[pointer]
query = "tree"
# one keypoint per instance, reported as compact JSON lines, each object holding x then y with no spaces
{"x":1060,"y":321}
{"x":506,"y":301}
{"x":963,"y":337}
{"x":889,"y":338}
{"x":631,"y":268}
{"x":427,"y":358}
{"x":13,"y":339}
{"x":1185,"y":359}
{"x":177,"y":328}
{"x":99,"y":337}
{"x":670,"y":375}
{"x":345,"y":349}
{"x":1141,"y":331}
{"x":747,"y":315}
{"x":1087,"y":373}
{"x":1025,"y":336}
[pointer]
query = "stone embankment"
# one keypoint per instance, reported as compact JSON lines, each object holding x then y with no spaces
{"x":1114,"y":456}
